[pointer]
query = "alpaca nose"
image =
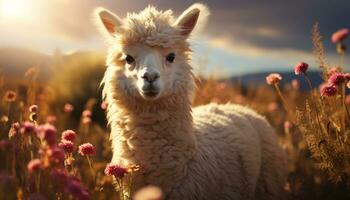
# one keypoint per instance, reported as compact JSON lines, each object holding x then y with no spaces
{"x":150,"y":76}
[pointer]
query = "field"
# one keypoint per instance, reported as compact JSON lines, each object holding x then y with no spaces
{"x":40,"y":159}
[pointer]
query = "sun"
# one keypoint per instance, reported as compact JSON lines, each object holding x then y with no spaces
{"x":12,"y":8}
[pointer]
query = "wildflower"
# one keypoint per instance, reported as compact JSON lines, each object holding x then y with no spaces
{"x":115,"y":170}
{"x":300,"y":68}
{"x":34,"y":165}
{"x":51,"y":119}
{"x":287,"y":125}
{"x":340,"y":35}
{"x":68,"y":108}
{"x":14,"y":129}
{"x":273,"y":78}
{"x":27,"y":128}
{"x":56,"y":154}
{"x":47,"y":132}
{"x":328,"y":90}
{"x":33,"y":108}
{"x":59,"y":175}
{"x":104,"y":105}
{"x":69,"y":135}
{"x":295,"y":84}
{"x":4,"y":118}
{"x":75,"y":188}
{"x":86,"y":120}
{"x":336,"y":79}
{"x":10,"y":96}
{"x":87,"y":149}
{"x":221,"y":86}
{"x":67,"y":145}
{"x":86,"y":113}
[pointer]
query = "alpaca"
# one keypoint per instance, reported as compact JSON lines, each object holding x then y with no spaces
{"x":208,"y":152}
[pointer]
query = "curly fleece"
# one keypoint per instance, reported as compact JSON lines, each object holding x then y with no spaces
{"x":208,"y":152}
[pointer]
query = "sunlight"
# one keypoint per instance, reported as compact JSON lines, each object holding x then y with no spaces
{"x":13,"y":9}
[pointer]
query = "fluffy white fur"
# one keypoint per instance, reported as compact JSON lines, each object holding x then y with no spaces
{"x":211,"y":152}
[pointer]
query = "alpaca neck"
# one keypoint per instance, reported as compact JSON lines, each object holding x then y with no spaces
{"x":158,"y":137}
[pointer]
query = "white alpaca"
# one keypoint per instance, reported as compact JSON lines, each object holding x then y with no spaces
{"x":210,"y":152}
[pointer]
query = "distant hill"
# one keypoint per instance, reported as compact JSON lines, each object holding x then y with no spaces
{"x":14,"y":62}
{"x":260,"y":78}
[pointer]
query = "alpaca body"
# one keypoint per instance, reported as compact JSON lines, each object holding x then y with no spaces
{"x":236,"y":151}
{"x":209,"y":152}
{"x":230,"y":157}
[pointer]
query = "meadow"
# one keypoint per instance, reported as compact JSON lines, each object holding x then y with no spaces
{"x":54,"y":141}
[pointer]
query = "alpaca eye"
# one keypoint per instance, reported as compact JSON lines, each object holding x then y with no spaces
{"x":170,"y":57}
{"x":129,"y":59}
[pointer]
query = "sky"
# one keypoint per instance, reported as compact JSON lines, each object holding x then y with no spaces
{"x":241,"y":36}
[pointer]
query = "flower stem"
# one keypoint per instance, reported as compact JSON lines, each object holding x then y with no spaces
{"x":285,"y":105}
{"x":314,"y":102}
{"x":91,"y":170}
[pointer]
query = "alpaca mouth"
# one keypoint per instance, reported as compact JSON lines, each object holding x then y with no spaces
{"x":150,"y":94}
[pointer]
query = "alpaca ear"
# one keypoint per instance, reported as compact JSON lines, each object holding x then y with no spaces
{"x":193,"y":18}
{"x":108,"y":21}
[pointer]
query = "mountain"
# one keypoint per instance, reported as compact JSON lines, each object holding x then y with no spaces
{"x":14,"y":62}
{"x":260,"y":78}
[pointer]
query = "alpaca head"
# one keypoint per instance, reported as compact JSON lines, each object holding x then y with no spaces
{"x":149,"y":55}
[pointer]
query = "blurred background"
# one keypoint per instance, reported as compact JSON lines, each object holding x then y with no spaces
{"x":52,"y":55}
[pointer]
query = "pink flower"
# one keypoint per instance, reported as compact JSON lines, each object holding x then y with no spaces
{"x":300,"y":68}
{"x":115,"y":170}
{"x":27,"y":128}
{"x":221,"y":86}
{"x":67,"y":145}
{"x":87,"y":149}
{"x":76,"y":189}
{"x":340,"y":35}
{"x":104,"y":105}
{"x":336,"y":79}
{"x":34,"y":165}
{"x":86,"y":113}
{"x":273,"y":78}
{"x":33,"y":108}
{"x":287,"y":125}
{"x":68,"y":108}
{"x":86,"y":120}
{"x":47,"y":132}
{"x":56,"y":154}
{"x":51,"y":119}
{"x":59,"y":175}
{"x":10,"y":96}
{"x":69,"y":135}
{"x":328,"y":90}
